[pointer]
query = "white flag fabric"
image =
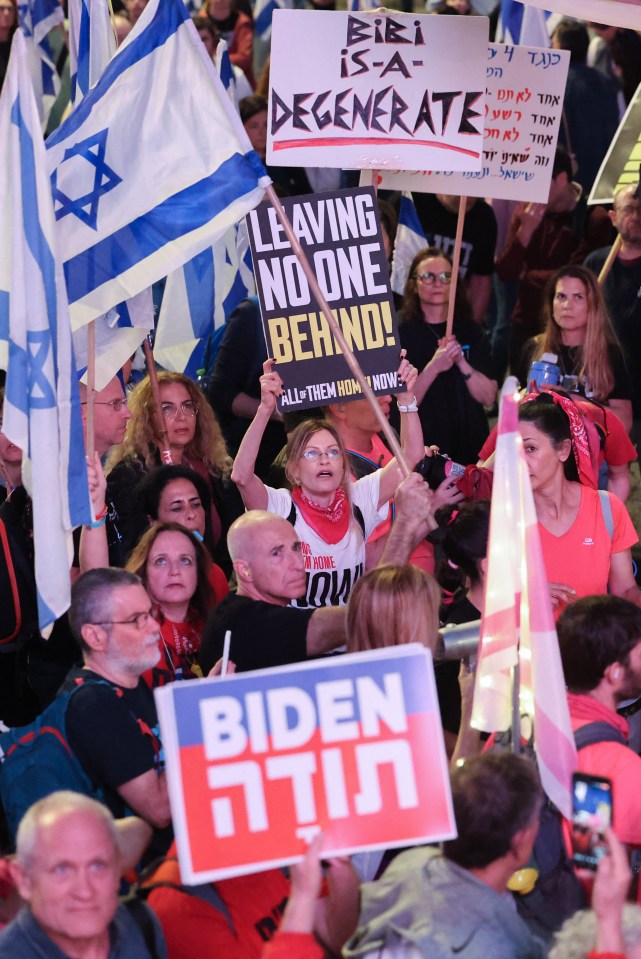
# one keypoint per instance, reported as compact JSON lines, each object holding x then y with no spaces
{"x":37,"y":18}
{"x":151,"y":167}
{"x":616,"y":13}
{"x":92,"y":44}
{"x":41,"y":407}
{"x":197,"y":300}
{"x":517,"y":624}
{"x":226,"y":71}
{"x":410,"y":238}
{"x":118,"y":334}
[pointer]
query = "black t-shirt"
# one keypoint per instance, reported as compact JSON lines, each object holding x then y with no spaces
{"x":622,"y":292}
{"x":450,"y":416}
{"x":262,"y":634}
{"x":571,"y":360}
{"x":104,"y":730}
{"x":479,"y":232}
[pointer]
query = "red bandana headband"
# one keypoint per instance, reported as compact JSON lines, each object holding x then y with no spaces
{"x":583,"y":436}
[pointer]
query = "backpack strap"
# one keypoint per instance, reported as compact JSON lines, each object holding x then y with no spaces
{"x":164,"y":877}
{"x":356,"y":512}
{"x":606,"y":509}
{"x":597,"y":732}
{"x":142,"y":916}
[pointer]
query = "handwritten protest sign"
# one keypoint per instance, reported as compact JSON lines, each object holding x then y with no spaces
{"x":366,"y":91}
{"x":258,"y":762}
{"x":340,"y":234}
{"x":524,"y":103}
{"x":618,"y":13}
{"x":621,"y":164}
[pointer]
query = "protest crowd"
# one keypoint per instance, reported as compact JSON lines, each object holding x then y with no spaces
{"x":236,"y":511}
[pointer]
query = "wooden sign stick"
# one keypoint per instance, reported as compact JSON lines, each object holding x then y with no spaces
{"x":351,"y":360}
{"x":456,"y":259}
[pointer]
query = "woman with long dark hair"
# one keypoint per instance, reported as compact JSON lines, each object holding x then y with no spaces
{"x":579,"y":333}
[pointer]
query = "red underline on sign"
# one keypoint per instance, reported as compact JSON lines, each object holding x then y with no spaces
{"x":368,"y":141}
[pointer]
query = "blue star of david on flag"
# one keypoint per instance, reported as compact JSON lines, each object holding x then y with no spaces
{"x":85,"y":207}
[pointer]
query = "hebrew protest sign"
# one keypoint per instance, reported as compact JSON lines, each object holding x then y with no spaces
{"x":340,"y":234}
{"x":523,"y":107}
{"x":367,"y":91}
{"x":617,"y":13}
{"x":258,"y":762}
{"x":622,"y":161}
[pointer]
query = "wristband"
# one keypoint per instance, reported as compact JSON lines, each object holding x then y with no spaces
{"x":411,"y":408}
{"x":97,"y":524}
{"x":101,"y":519}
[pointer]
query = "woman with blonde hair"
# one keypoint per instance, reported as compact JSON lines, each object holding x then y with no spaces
{"x":393,"y":606}
{"x":195,"y":441}
{"x":579,"y":333}
{"x":332,"y":516}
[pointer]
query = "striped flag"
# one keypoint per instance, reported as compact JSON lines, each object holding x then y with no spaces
{"x":263,"y":16}
{"x":518,"y":625}
{"x":138,"y":192}
{"x":118,"y":333}
{"x":198,"y":299}
{"x":410,"y":238}
{"x":226,"y":71}
{"x":37,"y":18}
{"x":355,"y":5}
{"x":92,"y":44}
{"x":526,"y":25}
{"x":42,"y":407}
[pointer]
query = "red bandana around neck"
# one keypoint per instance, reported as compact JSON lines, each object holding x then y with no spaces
{"x":330,"y":523}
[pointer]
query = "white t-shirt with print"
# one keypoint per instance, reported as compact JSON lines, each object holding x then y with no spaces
{"x":332,"y":570}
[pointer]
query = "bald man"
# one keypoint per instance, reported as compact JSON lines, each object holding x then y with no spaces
{"x":270,"y":569}
{"x":67,"y":870}
{"x":266,"y":631}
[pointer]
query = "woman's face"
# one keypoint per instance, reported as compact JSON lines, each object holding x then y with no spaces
{"x":319,"y":470}
{"x":544,"y":461}
{"x":256,"y":130}
{"x":570,"y":310}
{"x":171,"y":572}
{"x":181,"y":424}
{"x":180,"y":503}
{"x":433,"y":292}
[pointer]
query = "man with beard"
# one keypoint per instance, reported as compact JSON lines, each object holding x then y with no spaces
{"x":600,"y":643}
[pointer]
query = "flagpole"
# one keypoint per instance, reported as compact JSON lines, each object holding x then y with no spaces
{"x":161,"y":425}
{"x":352,"y":362}
{"x":612,"y":255}
{"x":516,"y":708}
{"x":456,"y":259}
{"x":91,"y":388}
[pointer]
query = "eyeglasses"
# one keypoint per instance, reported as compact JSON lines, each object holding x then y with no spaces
{"x":170,"y":410}
{"x":116,"y":405}
{"x":140,"y":621}
{"x":313,"y":455}
{"x":431,"y":278}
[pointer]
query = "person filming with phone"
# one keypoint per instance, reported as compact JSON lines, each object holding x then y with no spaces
{"x":600,"y":643}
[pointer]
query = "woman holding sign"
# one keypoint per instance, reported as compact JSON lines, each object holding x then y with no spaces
{"x":455,"y":381}
{"x":332,"y":516}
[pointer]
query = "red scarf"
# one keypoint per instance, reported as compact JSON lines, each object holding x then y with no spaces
{"x":330,"y":523}
{"x":584,"y":438}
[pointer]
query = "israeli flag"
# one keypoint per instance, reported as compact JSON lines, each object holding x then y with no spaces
{"x":151,"y":167}
{"x":198,"y":299}
{"x":410,"y":238}
{"x":226,"y":71}
{"x":92,"y":44}
{"x":41,"y":408}
{"x":37,"y":18}
{"x":354,"y":6}
{"x":263,"y":16}
{"x":520,"y":23}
